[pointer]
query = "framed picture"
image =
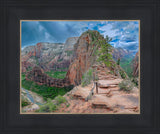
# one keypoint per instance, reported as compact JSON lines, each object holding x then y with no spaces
{"x":79,"y":67}
{"x":84,"y":72}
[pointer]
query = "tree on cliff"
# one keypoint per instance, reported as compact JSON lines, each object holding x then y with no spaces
{"x":102,"y":48}
{"x":104,"y":51}
{"x":118,"y":61}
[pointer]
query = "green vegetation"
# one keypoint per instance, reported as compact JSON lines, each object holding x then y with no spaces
{"x":102,"y":47}
{"x":47,"y":107}
{"x":59,"y":60}
{"x":94,"y":34}
{"x":29,"y":68}
{"x":57,"y":74}
{"x":87,"y":77}
{"x":52,"y":106}
{"x":126,"y":85}
{"x":25,"y":103}
{"x":23,"y":75}
{"x":104,"y":52}
{"x":126,"y":65}
{"x":122,"y":73}
{"x":135,"y":80}
{"x":60,"y":99}
{"x":44,"y":90}
{"x":118,"y":61}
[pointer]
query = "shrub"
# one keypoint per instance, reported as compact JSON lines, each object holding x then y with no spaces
{"x":118,"y":61}
{"x":25,"y":103}
{"x":122,"y":73}
{"x":68,"y":105}
{"x":51,"y":106}
{"x":60,"y":99}
{"x":126,"y":85}
{"x":48,"y":107}
{"x":135,"y":81}
{"x":87,"y":77}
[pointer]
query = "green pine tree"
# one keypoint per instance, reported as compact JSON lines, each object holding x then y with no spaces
{"x":104,"y":51}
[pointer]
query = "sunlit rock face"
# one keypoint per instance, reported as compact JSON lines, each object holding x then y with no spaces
{"x":41,"y":54}
{"x":83,"y":59}
{"x":69,"y":44}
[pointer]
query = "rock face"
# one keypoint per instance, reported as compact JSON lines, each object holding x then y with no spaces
{"x":83,"y":59}
{"x":49,"y":56}
{"x":69,"y":44}
{"x":40,"y":55}
{"x":37,"y":75}
{"x":119,"y":53}
{"x":135,"y":64}
{"x":44,"y":51}
{"x":78,"y":55}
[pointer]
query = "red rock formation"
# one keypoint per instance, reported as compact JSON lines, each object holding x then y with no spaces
{"x":38,"y":50}
{"x":25,"y":65}
{"x":135,"y":64}
{"x":82,"y":62}
{"x":37,"y":75}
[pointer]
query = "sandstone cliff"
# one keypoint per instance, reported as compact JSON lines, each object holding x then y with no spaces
{"x":69,"y":44}
{"x":82,"y":59}
{"x":48,"y":56}
{"x":85,"y":58}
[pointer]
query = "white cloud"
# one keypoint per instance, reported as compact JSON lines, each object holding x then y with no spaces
{"x":108,"y":30}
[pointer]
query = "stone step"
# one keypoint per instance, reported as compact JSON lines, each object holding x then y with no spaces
{"x":82,"y":92}
{"x":107,"y":86}
{"x":107,"y":91}
{"x":108,"y":83}
{"x":106,"y":78}
{"x":100,"y":101}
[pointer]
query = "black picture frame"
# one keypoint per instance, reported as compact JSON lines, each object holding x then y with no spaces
{"x":12,"y":11}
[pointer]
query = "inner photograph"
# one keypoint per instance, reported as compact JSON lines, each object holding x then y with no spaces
{"x":80,"y":67}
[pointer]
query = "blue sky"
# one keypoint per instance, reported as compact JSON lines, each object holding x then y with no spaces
{"x":124,"y":34}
